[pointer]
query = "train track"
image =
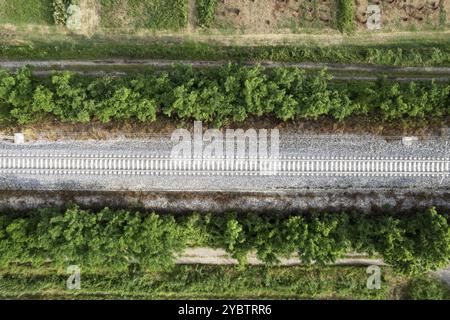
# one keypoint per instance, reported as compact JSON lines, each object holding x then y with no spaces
{"x":113,"y":164}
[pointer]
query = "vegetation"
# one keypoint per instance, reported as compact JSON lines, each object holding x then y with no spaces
{"x":206,"y":10}
{"x":405,"y":53}
{"x":230,"y":93}
{"x":27,"y":12}
{"x":123,"y":241}
{"x":427,"y":288}
{"x":60,"y":14}
{"x":346,"y":16}
{"x":217,"y":282}
{"x":442,"y":14}
{"x":151,"y":14}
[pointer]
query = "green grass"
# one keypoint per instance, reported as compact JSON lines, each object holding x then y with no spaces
{"x":151,"y":14}
{"x":206,"y":10}
{"x":420,"y":53}
{"x":26,"y":12}
{"x":220,"y":282}
{"x":427,"y":288}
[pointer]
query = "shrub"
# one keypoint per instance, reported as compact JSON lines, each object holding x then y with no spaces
{"x":413,"y":244}
{"x":427,"y":288}
{"x":60,"y":11}
{"x":219,"y":96}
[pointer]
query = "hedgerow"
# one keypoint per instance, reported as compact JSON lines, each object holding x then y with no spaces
{"x":219,"y":96}
{"x":412,"y":244}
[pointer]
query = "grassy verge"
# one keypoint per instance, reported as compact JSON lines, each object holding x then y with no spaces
{"x":26,"y":12}
{"x":220,"y":282}
{"x":407,"y":53}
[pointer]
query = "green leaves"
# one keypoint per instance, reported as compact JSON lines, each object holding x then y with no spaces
{"x":122,"y":240}
{"x":421,"y":244}
{"x":206,"y":12}
{"x":216,"y":96}
{"x":346,"y":16}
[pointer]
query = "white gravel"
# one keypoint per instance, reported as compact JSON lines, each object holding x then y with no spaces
{"x":290,"y":145}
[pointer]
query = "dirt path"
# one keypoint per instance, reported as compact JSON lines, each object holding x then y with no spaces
{"x":341,"y":78}
{"x":11,"y":64}
{"x":192,"y":19}
{"x":120,"y":67}
{"x":212,"y":256}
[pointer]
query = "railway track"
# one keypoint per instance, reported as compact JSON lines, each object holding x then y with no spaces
{"x":131,"y":165}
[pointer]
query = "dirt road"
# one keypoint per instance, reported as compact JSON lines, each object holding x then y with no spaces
{"x":120,"y":67}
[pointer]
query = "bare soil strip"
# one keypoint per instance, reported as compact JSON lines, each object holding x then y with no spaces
{"x":212,"y":256}
{"x":14,"y":64}
{"x":121,"y":67}
{"x":181,"y":202}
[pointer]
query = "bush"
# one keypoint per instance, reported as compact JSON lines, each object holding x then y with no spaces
{"x":60,"y":11}
{"x":218,"y":96}
{"x":427,"y":288}
{"x":346,"y":16}
{"x":122,"y":240}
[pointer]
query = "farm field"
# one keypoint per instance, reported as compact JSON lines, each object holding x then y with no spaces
{"x":207,"y":21}
{"x":148,"y":14}
{"x":316,"y":16}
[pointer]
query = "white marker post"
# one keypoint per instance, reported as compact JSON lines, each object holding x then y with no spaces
{"x":373,"y":17}
{"x":19,"y":138}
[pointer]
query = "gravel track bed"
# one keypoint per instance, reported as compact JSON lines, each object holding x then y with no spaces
{"x":290,"y":146}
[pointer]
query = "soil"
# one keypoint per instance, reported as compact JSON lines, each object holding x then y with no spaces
{"x":90,"y":19}
{"x":272,"y":15}
{"x":53,"y":130}
{"x":264,"y":16}
{"x":179,"y":202}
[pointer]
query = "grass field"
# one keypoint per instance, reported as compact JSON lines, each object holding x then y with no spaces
{"x":26,"y":12}
{"x":220,"y":282}
{"x":152,"y":14}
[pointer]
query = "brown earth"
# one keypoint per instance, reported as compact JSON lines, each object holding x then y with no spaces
{"x":265,"y":16}
{"x":54,"y":130}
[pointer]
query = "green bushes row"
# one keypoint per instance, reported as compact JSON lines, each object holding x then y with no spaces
{"x":346,"y":16}
{"x":218,"y":96}
{"x":205,"y":12}
{"x":121,"y":240}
